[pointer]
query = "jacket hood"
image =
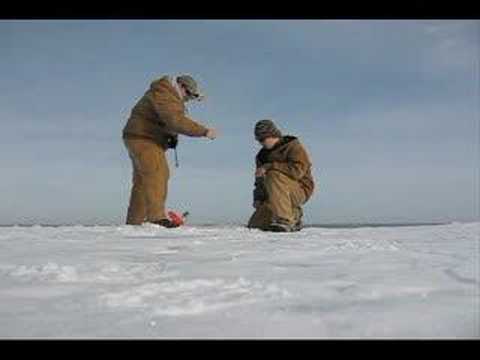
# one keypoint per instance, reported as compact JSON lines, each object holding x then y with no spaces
{"x":284,"y":141}
{"x":163,"y":84}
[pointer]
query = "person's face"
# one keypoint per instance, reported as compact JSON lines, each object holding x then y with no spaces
{"x":187,"y":96}
{"x":268,"y":142}
{"x":183,"y":92}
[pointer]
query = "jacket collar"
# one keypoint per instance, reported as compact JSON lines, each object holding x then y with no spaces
{"x":284,"y":140}
{"x":173,"y":82}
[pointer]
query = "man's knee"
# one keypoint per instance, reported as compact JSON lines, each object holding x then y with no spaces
{"x":275,"y":178}
{"x":261,"y":218}
{"x":275,"y":175}
{"x":277,"y":183}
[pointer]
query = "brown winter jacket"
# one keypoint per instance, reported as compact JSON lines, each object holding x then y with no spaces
{"x":289,"y":157}
{"x":160,"y":114}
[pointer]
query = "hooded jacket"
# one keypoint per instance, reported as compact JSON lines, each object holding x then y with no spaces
{"x":290,"y":158}
{"x":160,"y":115}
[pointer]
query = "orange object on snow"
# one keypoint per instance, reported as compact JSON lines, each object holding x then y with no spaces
{"x":177,"y":218}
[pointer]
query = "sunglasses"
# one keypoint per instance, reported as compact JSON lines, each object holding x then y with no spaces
{"x":190,"y":94}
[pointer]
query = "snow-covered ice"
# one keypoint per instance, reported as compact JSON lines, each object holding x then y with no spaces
{"x":227,"y":281}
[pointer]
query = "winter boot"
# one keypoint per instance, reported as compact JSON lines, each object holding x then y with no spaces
{"x":298,"y":226}
{"x":277,"y":226}
{"x":299,"y":215}
{"x":165,"y":223}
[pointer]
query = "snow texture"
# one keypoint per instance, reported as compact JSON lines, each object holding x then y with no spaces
{"x":225,"y":281}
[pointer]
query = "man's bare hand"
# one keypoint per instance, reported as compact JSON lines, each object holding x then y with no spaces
{"x":260,"y":172}
{"x":212,"y":134}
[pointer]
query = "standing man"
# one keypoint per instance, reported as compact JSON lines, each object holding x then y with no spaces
{"x":283,"y":180}
{"x":152,"y":128}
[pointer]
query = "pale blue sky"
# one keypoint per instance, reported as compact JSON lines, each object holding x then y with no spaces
{"x":388,"y":109}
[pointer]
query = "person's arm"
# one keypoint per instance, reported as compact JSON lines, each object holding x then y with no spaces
{"x":296,"y":165}
{"x":259,"y":192}
{"x":172,"y":115}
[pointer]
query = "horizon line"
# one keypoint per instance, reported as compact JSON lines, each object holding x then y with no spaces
{"x":313,"y":225}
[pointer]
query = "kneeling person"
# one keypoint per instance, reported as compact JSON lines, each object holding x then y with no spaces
{"x":283,"y":180}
